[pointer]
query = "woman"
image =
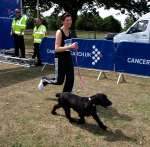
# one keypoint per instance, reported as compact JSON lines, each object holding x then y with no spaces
{"x":64,"y":69}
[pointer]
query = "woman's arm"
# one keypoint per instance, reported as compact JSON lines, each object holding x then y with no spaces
{"x":58,"y":47}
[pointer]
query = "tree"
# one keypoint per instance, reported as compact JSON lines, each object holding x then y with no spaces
{"x":54,"y":22}
{"x":89,"y":21}
{"x":73,"y":6}
{"x":110,"y":24}
{"x":139,"y":7}
{"x":70,"y":6}
{"x":128,"y":22}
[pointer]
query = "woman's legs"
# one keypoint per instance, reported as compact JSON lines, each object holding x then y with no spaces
{"x":59,"y":76}
{"x":69,"y":82}
{"x":59,"y":71}
{"x":38,"y":54}
{"x":62,"y":69}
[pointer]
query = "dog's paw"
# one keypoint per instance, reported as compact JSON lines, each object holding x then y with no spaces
{"x":80,"y":122}
{"x":104,"y":128}
{"x":72,"y":120}
{"x":109,"y":130}
{"x":54,"y":113}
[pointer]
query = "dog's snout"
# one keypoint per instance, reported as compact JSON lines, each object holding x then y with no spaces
{"x":58,"y":94}
{"x":110,"y":103}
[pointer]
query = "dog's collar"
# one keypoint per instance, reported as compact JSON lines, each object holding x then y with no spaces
{"x":90,"y":99}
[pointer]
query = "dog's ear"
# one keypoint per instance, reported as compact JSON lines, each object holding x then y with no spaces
{"x":100,"y":95}
{"x":96,"y":96}
{"x":58,"y":94}
{"x":101,"y":99}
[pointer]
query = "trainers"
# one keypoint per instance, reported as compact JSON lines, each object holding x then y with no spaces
{"x":48,"y":81}
{"x":41,"y":85}
{"x":45,"y":81}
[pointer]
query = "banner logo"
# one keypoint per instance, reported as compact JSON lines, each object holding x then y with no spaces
{"x":138,"y":61}
{"x":96,"y":55}
{"x":50,"y":51}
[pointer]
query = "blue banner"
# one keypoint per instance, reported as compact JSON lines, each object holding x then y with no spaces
{"x":6,"y":40}
{"x":47,"y":52}
{"x":133,"y":58}
{"x":7,"y":8}
{"x":94,"y":54}
{"x":7,"y":12}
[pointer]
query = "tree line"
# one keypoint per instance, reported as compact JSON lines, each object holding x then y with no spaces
{"x":132,"y":7}
{"x":88,"y":22}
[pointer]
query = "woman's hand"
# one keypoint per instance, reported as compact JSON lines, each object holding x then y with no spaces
{"x":74,"y":46}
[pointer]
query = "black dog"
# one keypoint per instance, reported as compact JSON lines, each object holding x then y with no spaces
{"x":84,"y":106}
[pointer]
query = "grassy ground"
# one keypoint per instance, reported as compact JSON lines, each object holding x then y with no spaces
{"x":26,"y":121}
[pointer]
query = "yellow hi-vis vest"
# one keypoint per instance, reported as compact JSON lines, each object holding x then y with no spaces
{"x":39,"y":32}
{"x":19,"y":26}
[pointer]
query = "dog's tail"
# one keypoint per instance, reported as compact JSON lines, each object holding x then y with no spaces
{"x":58,"y":94}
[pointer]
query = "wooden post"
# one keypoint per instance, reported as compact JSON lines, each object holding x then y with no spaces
{"x":101,"y":73}
{"x":121,"y":79}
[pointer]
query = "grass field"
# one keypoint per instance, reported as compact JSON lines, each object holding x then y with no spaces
{"x":26,"y":121}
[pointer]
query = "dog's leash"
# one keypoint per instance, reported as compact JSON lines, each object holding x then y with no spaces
{"x":82,"y":81}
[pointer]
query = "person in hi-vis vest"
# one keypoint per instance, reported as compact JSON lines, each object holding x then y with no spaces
{"x":18,"y":28}
{"x":39,"y":32}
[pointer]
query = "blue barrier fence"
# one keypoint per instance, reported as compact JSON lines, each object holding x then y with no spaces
{"x":7,"y":8}
{"x":6,"y":40}
{"x":132,"y":58}
{"x":7,"y":12}
{"x":95,"y":54}
{"x":92,"y":54}
{"x":47,"y":50}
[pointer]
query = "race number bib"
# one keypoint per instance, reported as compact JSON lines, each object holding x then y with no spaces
{"x":68,"y":42}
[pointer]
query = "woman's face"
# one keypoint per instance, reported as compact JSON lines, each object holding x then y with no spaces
{"x":67,"y":22}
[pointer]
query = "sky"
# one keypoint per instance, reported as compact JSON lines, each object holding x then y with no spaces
{"x":103,"y":13}
{"x":116,"y":13}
